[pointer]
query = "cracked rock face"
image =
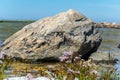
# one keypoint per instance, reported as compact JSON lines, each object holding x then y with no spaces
{"x":48,"y":38}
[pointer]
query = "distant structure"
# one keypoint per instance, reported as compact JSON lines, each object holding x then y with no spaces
{"x":110,"y":25}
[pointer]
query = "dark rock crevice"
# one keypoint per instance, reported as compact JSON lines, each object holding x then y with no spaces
{"x":119,"y":46}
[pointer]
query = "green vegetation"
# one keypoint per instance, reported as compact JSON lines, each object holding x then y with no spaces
{"x":81,"y":69}
{"x":5,"y":62}
{"x":67,"y":69}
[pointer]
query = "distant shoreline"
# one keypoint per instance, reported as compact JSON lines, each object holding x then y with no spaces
{"x":108,"y":25}
{"x":98,"y":25}
{"x":16,"y":21}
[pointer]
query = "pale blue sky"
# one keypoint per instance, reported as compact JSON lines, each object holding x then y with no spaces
{"x":98,"y":10}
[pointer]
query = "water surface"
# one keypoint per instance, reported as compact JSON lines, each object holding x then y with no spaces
{"x":8,"y":28}
{"x":111,"y":39}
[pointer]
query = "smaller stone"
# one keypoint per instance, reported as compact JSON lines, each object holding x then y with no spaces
{"x":119,"y":46}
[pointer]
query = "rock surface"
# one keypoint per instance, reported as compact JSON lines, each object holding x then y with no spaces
{"x":106,"y":57}
{"x":48,"y":38}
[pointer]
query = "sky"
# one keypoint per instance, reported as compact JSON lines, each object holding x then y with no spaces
{"x":97,"y":10}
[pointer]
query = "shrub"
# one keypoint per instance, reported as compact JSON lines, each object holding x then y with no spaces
{"x":5,"y":62}
{"x":80,"y":69}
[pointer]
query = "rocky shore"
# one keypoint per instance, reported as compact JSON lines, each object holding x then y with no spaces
{"x":108,"y":25}
{"x":45,"y":40}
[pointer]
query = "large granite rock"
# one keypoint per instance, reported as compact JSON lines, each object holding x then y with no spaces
{"x":48,"y":38}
